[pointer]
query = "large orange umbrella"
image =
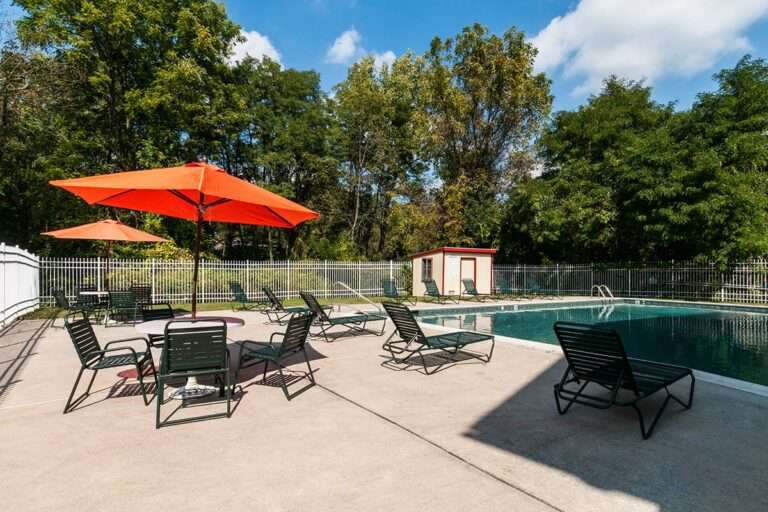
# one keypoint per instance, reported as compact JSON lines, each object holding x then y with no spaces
{"x":196,"y":191}
{"x":109,"y":230}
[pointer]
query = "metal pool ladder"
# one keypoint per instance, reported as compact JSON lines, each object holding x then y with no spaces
{"x":603,"y":292}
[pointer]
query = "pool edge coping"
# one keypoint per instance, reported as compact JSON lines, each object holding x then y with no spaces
{"x":711,"y":378}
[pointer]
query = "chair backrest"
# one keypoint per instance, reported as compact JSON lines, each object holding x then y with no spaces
{"x":296,"y":333}
{"x":314,"y":306}
{"x":469,"y":286}
{"x":83,"y":338}
{"x":276,"y":303}
{"x":87,"y":299}
{"x":595,"y":354}
{"x":122,"y":299}
{"x":61,"y":299}
{"x":151,"y":312}
{"x":432,"y":288}
{"x":191,"y":345}
{"x":238,"y":292}
{"x":142,"y":293}
{"x":404,"y":321}
{"x":390,"y":288}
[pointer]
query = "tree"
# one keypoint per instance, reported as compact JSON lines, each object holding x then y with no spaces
{"x":482,"y":102}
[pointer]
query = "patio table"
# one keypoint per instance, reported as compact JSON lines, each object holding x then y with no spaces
{"x":192,"y":389}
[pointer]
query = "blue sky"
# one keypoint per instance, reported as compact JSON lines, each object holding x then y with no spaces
{"x":675,"y":44}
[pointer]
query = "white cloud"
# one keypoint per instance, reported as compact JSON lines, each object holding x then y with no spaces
{"x":380,"y":59}
{"x":644,"y":39}
{"x":255,"y":45}
{"x":345,"y":48}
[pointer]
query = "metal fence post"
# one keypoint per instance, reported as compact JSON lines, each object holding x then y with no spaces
{"x":152,"y":280}
{"x":325,"y":278}
{"x":557,"y":273}
{"x":288,"y":279}
{"x":98,"y":273}
{"x":629,"y":281}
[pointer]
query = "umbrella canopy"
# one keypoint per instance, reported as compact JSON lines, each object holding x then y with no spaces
{"x":196,"y":191}
{"x":111,"y":230}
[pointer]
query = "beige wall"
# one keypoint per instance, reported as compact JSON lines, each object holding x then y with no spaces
{"x":452,"y":278}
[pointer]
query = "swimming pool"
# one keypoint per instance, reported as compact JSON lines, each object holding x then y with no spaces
{"x":726,"y":341}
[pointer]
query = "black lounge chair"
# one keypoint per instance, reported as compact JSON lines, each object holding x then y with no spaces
{"x":123,"y":307}
{"x":142,"y":294}
{"x":195,"y":348}
{"x":294,"y":342}
{"x":277,"y":313}
{"x":389,"y":288}
{"x":94,"y":358}
{"x":596,"y":356}
{"x":413,"y":341}
{"x":240,"y":297}
{"x":354,"y":323}
{"x":470,"y":291}
{"x":151,"y":312}
{"x":433,"y":292}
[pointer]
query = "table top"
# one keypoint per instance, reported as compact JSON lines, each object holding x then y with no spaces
{"x":158,"y":326}
{"x":92,"y":293}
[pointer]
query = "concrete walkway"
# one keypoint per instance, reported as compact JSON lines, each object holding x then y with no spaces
{"x":471,"y":437}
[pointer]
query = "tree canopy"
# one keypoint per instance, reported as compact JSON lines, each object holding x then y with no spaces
{"x":453,"y":146}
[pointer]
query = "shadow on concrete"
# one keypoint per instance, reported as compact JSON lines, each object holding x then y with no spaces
{"x":17,"y":344}
{"x":710,"y":458}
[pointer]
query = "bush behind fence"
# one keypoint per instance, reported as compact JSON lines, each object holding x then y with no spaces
{"x":171,"y":281}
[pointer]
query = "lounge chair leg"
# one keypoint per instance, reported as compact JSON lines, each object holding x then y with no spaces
{"x":647,"y":433}
{"x":570,"y":401}
{"x":282,"y":382}
{"x":310,"y":375}
{"x":140,"y":377}
{"x":159,"y":398}
{"x":264,"y":375}
{"x":74,"y":388}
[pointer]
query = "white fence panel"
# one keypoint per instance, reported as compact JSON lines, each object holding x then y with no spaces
{"x":171,"y":281}
{"x":19,"y":283}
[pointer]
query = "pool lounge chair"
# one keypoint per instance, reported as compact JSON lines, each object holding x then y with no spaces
{"x":294,"y":342}
{"x":390,"y":291}
{"x":240,"y":297}
{"x":354,"y":323}
{"x":433,"y":292}
{"x":470,"y":291}
{"x":412,"y":340}
{"x":596,"y":356}
{"x":277,"y":313}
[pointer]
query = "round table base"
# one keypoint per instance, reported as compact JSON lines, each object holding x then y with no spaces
{"x":192,"y":390}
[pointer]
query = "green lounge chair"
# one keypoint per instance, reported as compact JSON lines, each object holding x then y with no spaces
{"x":142,"y":294}
{"x":390,"y":291}
{"x":277,"y":313}
{"x":123,"y":307}
{"x":241,"y":298}
{"x":194,"y":348}
{"x":354,"y":323}
{"x":470,"y":291}
{"x":596,"y":355}
{"x":433,"y":292}
{"x":94,"y":358}
{"x":151,"y":312}
{"x":294,"y":342}
{"x":412,"y":340}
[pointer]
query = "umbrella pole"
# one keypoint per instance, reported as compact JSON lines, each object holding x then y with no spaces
{"x":106,"y":264}
{"x":197,"y":264}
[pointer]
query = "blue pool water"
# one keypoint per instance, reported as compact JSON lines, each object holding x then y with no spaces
{"x":733,"y":343}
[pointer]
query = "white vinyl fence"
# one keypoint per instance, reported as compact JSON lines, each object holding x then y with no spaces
{"x":19,"y":283}
{"x":171,"y":281}
{"x":739,"y":282}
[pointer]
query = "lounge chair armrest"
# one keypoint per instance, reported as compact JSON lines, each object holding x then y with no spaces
{"x":124,"y":340}
{"x":119,"y":349}
{"x":271,"y":337}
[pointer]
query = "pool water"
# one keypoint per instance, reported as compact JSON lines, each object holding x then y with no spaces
{"x":732,"y":343}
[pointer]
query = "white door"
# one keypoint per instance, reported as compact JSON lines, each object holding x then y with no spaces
{"x":468,"y":270}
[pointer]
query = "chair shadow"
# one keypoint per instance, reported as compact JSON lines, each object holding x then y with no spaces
{"x":696,"y":459}
{"x":435,"y":361}
{"x":255,"y":373}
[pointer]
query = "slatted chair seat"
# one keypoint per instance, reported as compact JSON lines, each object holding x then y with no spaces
{"x":354,"y":323}
{"x":294,"y":342}
{"x":596,"y":355}
{"x":246,"y":303}
{"x":194,"y":348}
{"x":389,"y":288}
{"x":94,"y":357}
{"x":471,"y":291}
{"x":277,"y":312}
{"x":413,"y":342}
{"x":433,"y":292}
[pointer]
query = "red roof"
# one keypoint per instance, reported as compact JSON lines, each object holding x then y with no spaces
{"x":454,"y":250}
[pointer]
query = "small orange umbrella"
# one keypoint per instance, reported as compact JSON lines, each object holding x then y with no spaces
{"x":109,"y":230}
{"x":196,"y":191}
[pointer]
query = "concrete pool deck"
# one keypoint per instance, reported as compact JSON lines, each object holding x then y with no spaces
{"x":474,"y":436}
